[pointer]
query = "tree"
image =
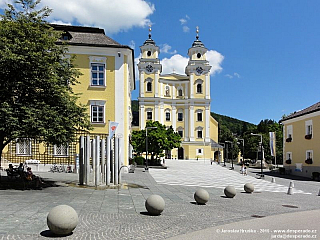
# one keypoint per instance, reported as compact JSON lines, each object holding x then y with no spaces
{"x":160,"y":139}
{"x":36,"y":79}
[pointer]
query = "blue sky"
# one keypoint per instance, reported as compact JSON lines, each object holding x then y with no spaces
{"x":266,"y":53}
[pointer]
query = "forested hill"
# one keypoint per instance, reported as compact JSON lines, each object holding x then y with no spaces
{"x":234,"y":125}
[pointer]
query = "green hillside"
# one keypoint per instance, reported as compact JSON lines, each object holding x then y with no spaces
{"x":234,"y":125}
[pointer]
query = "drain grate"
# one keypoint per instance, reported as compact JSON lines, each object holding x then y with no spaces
{"x":257,"y":216}
{"x":290,"y":206}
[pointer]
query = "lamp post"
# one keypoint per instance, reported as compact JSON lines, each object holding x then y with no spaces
{"x":231,"y":154}
{"x":242,"y":148}
{"x":146,"y":168}
{"x":253,"y":134}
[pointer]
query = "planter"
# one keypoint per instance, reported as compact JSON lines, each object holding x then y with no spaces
{"x":309,"y":136}
{"x":289,"y":139}
{"x":308,"y":161}
{"x":288,"y":161}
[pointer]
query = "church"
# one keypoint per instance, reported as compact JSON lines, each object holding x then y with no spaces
{"x":180,"y":101}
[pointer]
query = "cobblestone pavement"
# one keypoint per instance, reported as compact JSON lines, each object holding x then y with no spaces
{"x":120,"y":213}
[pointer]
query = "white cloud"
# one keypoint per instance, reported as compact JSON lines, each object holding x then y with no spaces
{"x":237,"y":75}
{"x":215,"y":60}
{"x":136,"y":61}
{"x":60,"y":23}
{"x":112,"y":16}
{"x":177,"y":63}
{"x":183,"y":21}
{"x":185,"y":29}
{"x":132,"y":44}
{"x":4,"y":3}
{"x":165,"y":48}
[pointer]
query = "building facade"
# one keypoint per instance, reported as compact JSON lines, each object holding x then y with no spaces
{"x":301,"y":134}
{"x":180,"y":101}
{"x":105,"y":87}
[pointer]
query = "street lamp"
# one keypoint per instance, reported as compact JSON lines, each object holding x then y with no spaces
{"x":242,"y":148}
{"x":146,"y":168}
{"x":253,"y":134}
{"x":231,"y":154}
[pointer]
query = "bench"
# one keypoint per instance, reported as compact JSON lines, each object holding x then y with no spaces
{"x":12,"y":173}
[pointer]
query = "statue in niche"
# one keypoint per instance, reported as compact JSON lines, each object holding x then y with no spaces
{"x":167,"y":91}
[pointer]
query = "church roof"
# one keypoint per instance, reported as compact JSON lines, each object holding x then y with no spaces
{"x":314,"y":108}
{"x":214,"y":144}
{"x":174,"y":76}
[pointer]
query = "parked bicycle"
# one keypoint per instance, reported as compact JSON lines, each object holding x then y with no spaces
{"x":56,"y":168}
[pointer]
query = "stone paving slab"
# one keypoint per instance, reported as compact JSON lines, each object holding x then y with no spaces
{"x":120,"y":213}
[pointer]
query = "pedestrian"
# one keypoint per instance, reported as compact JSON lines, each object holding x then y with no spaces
{"x":242,"y":169}
{"x":245,"y":171}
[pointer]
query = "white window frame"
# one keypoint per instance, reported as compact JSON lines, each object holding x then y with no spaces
{"x":309,"y":153}
{"x":149,"y":110}
{"x":180,"y":111}
{"x":289,"y":156}
{"x":309,"y":127}
{"x":180,"y":129}
{"x":199,"y":81}
{"x":168,"y":114}
{"x":199,"y":111}
{"x":59,"y":148}
{"x":148,"y":80}
{"x":94,"y":60}
{"x":178,"y":92}
{"x":290,"y":131}
{"x":199,"y":129}
{"x":27,"y":151}
{"x":199,"y":151}
{"x":100,"y":104}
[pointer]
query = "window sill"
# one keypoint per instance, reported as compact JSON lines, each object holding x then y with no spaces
{"x":23,"y":154}
{"x":97,"y":87}
{"x":61,"y":156}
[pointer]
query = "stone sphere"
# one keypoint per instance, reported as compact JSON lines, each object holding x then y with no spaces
{"x":62,"y":220}
{"x":230,"y":191}
{"x":155,"y":204}
{"x":201,"y":196}
{"x":248,"y":187}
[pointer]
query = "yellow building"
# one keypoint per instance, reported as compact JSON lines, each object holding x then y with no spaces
{"x":301,"y":150}
{"x":180,"y":101}
{"x":106,"y":83}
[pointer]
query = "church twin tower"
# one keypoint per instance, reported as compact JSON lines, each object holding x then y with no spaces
{"x":180,"y":101}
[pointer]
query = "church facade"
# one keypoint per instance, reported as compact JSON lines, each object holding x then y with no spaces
{"x":180,"y":101}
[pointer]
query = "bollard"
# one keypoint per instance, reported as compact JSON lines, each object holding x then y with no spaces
{"x":273,"y":180}
{"x":319,"y":193}
{"x":291,"y":184}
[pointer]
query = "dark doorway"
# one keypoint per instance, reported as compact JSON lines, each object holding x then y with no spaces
{"x":180,"y":153}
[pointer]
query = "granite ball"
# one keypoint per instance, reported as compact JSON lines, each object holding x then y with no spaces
{"x":62,"y":220}
{"x":201,"y":196}
{"x":249,"y":187}
{"x":230,"y":191}
{"x":155,"y":205}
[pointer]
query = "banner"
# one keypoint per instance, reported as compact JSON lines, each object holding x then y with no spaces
{"x":272,"y":136}
{"x":112,"y":128}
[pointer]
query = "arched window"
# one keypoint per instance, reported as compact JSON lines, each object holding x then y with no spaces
{"x":199,"y":85}
{"x":199,"y":88}
{"x":180,"y":92}
{"x":180,"y":131}
{"x":168,"y":115}
{"x":149,"y":87}
{"x":199,"y":132}
{"x":199,"y":115}
{"x":180,"y":115}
